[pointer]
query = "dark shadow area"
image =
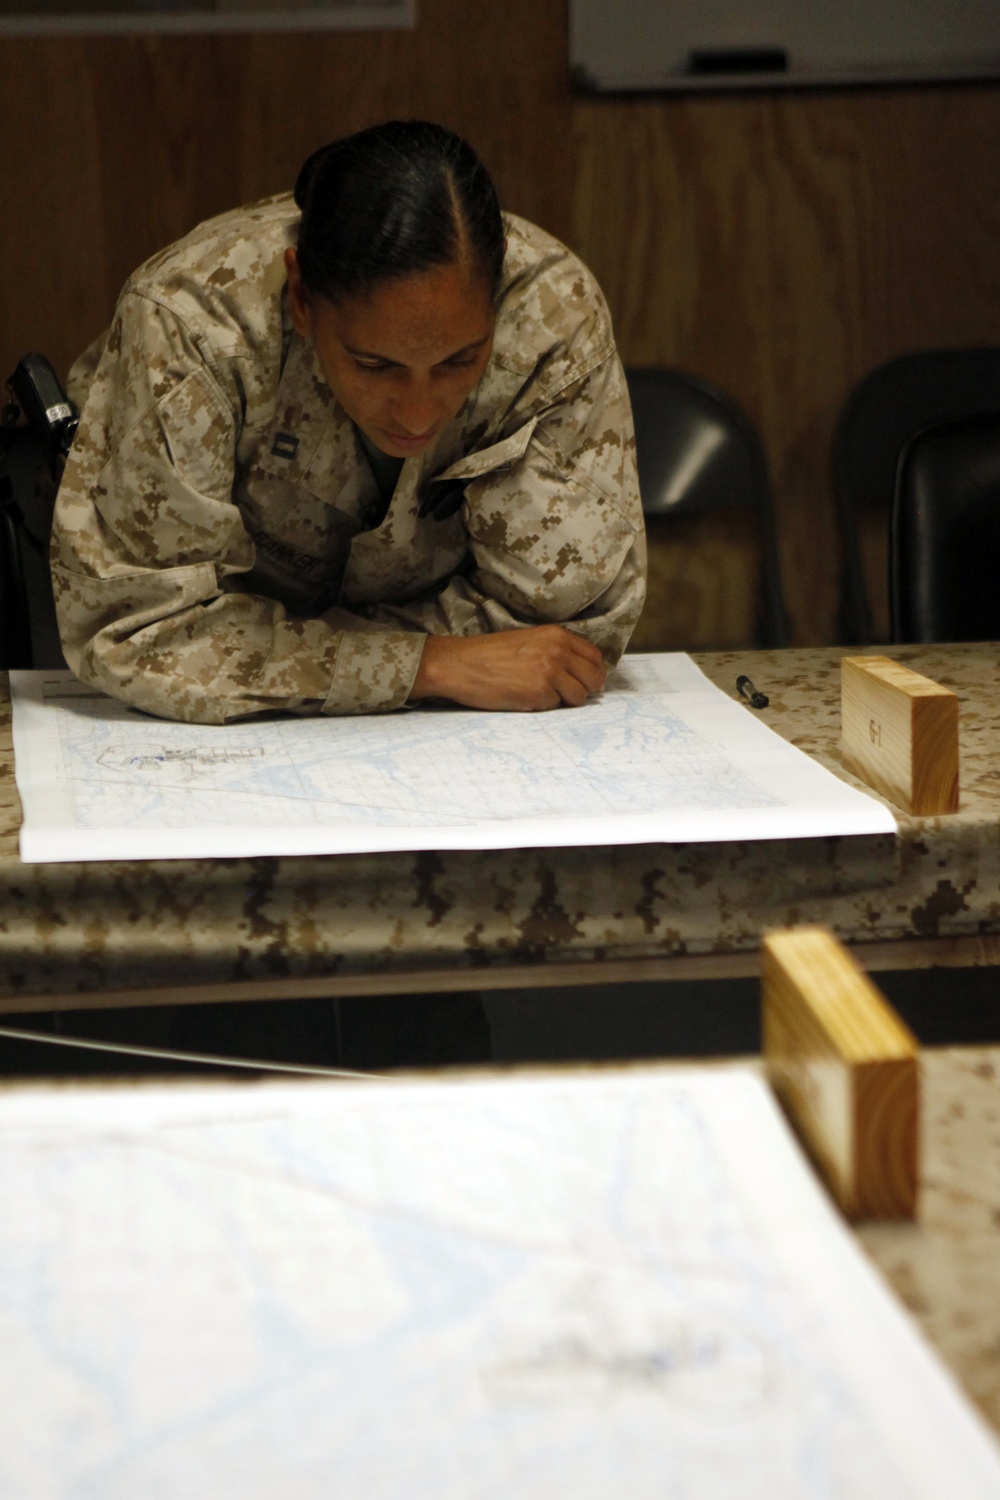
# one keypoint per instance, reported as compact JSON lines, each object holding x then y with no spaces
{"x":597,"y":1023}
{"x":286,"y":1031}
{"x":370,"y":1033}
{"x":716,"y":1017}
{"x":299,"y":1031}
{"x":31,"y":1059}
{"x":603,"y":1023}
{"x":367,"y":1033}
{"x":946,"y":1007}
{"x":414,"y":1031}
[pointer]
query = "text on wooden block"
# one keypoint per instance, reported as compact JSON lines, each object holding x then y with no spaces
{"x":899,"y":733}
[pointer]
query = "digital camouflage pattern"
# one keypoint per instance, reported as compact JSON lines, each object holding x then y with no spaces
{"x":217,"y":547}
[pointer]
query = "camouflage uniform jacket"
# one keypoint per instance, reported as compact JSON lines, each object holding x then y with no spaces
{"x":216,"y":548}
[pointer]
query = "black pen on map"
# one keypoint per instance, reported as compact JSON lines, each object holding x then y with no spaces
{"x":746,"y":690}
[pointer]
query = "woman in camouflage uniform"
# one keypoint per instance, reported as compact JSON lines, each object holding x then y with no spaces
{"x":345,"y":452}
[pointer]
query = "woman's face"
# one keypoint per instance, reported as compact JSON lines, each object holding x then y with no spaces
{"x":402,"y":359}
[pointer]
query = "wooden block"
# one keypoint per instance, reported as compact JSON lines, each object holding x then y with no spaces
{"x":845,"y":1068}
{"x":899,"y":732}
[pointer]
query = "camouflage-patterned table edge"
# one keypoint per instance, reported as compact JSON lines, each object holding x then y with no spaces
{"x":107,"y":925}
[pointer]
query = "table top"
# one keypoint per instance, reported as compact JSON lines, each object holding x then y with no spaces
{"x":395,"y":921}
{"x":946,"y":1266}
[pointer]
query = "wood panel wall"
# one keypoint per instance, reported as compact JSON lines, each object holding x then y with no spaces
{"x":781,"y":245}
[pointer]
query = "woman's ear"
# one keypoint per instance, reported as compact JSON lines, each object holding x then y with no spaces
{"x":298,"y":303}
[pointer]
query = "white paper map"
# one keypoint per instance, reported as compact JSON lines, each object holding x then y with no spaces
{"x":625,"y":1284}
{"x":663,"y":756}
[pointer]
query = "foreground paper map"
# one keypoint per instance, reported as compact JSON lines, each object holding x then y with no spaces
{"x":626,"y":1284}
{"x":663,"y":756}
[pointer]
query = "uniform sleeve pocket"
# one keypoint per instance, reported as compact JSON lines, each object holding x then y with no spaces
{"x":167,"y":491}
{"x":198,"y":431}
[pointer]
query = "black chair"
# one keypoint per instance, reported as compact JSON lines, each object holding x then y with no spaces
{"x":883,"y":412}
{"x":697,"y":451}
{"x":944,"y":560}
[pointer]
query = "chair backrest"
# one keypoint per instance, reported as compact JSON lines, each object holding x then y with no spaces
{"x":944,"y":572}
{"x":883,"y":412}
{"x":696,"y":450}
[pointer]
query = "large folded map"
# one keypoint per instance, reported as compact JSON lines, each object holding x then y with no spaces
{"x":662,"y":756}
{"x":604,"y":1285}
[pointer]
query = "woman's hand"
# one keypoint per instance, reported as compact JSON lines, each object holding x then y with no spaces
{"x":543,"y":666}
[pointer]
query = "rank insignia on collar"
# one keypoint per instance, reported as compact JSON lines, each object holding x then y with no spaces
{"x":285,"y":445}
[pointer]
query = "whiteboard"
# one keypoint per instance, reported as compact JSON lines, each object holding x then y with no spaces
{"x":692,"y":44}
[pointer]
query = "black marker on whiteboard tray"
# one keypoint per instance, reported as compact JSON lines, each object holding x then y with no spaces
{"x":746,"y":690}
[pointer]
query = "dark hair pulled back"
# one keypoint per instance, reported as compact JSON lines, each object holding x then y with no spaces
{"x":398,"y":198}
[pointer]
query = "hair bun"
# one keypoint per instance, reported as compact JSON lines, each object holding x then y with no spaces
{"x":307,"y":175}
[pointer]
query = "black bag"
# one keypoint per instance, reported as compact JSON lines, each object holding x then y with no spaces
{"x":36,"y":431}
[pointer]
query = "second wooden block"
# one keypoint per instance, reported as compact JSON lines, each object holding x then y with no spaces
{"x":845,"y":1068}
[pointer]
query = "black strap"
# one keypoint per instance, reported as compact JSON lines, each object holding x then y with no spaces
{"x":443,"y":498}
